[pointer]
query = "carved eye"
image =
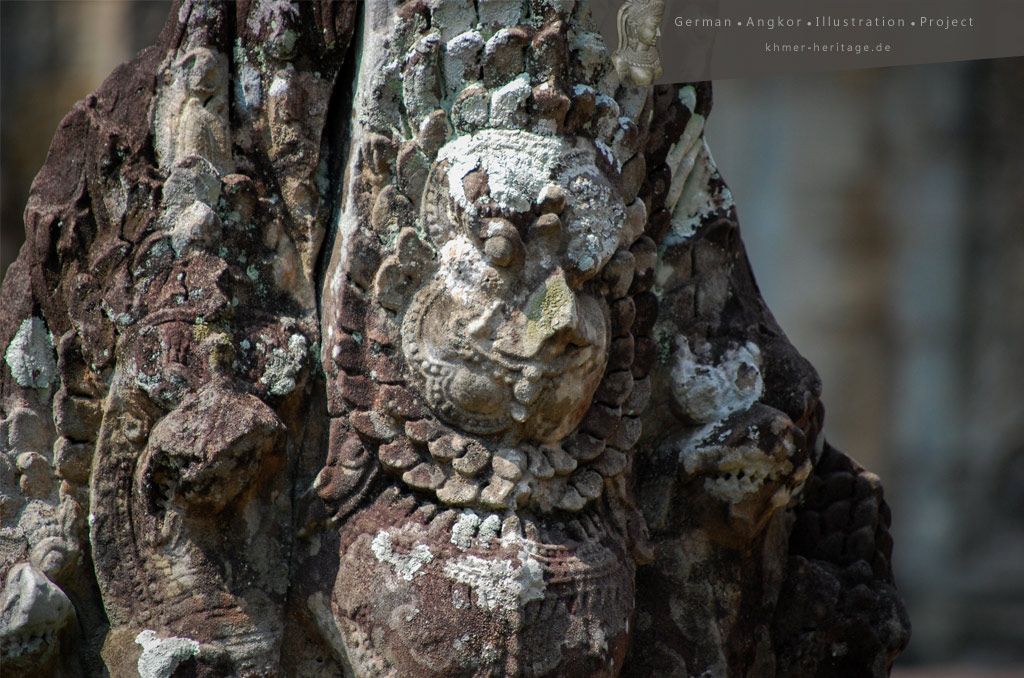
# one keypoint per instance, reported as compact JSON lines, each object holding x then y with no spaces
{"x":500,"y":250}
{"x":501,"y":242}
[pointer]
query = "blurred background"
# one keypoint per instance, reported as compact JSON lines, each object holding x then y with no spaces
{"x":883,"y":212}
{"x":51,"y":55}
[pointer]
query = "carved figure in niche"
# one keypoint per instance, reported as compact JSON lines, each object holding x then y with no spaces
{"x":192,"y":117}
{"x":636,"y":59}
{"x":203,"y":129}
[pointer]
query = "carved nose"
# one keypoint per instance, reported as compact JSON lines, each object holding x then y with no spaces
{"x":553,"y":309}
{"x":589,"y":324}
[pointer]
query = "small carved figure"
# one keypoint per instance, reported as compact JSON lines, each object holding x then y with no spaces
{"x":639,"y":27}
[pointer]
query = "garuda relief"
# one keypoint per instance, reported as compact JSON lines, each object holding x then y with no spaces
{"x":412,"y":340}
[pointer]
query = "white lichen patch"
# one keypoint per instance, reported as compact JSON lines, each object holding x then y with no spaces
{"x":30,"y":355}
{"x":463,"y":269}
{"x":490,"y":528}
{"x":500,"y":12}
{"x":405,"y":565}
{"x":681,"y":158}
{"x":161,"y":656}
{"x":489,"y":655}
{"x":465,"y":529}
{"x":595,"y":221}
{"x":709,"y":393}
{"x":592,"y":51}
{"x":545,"y":126}
{"x":520,"y":165}
{"x":499,"y":584}
{"x":458,"y":598}
{"x":283,"y":366}
{"x":150,"y":383}
{"x":452,"y":18}
{"x":279,"y":85}
{"x":470,"y":527}
{"x":460,"y":55}
{"x":696,"y":199}
{"x":506,"y":101}
{"x":580,"y":89}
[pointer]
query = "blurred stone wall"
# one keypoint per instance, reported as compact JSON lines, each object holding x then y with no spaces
{"x":990,"y":467}
{"x":883,"y":211}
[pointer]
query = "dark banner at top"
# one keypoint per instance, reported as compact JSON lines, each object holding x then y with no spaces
{"x":665,"y":41}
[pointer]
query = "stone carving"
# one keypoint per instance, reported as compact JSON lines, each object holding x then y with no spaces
{"x":526,"y":415}
{"x":33,"y":612}
{"x":636,"y":59}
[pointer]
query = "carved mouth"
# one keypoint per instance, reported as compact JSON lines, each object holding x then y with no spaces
{"x":745,"y":474}
{"x":486,"y":379}
{"x":510,"y":392}
{"x":513,"y":369}
{"x":752,"y":456}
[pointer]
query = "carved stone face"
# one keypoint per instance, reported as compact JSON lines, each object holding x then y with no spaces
{"x":649,"y":31}
{"x":643,"y":24}
{"x":511,"y":333}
